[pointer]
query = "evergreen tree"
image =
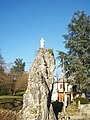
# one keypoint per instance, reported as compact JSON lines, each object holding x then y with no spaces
{"x":16,"y":72}
{"x":77,"y":58}
{"x":18,"y":68}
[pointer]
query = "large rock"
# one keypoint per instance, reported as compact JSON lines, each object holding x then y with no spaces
{"x":37,"y":98}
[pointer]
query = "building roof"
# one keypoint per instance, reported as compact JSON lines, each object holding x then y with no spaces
{"x":61,"y":80}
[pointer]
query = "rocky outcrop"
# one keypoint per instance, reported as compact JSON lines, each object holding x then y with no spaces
{"x":36,"y":100}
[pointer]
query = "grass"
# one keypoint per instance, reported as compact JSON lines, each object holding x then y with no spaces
{"x":72,"y":109}
{"x":19,"y":93}
{"x":11,"y":102}
{"x":10,"y":97}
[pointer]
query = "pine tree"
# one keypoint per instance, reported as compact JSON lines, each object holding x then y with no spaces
{"x":77,"y":43}
{"x":18,"y":68}
{"x":16,"y":72}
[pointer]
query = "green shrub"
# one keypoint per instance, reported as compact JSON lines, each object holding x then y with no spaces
{"x":82,"y":100}
{"x":50,"y":51}
{"x":20,"y":93}
{"x":4,"y":90}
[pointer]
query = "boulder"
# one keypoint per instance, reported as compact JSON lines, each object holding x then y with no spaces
{"x":37,"y":98}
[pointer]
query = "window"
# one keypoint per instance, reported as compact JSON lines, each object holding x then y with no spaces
{"x":61,"y":86}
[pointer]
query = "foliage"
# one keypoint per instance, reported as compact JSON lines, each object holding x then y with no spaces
{"x":5,"y":84}
{"x":72,"y":109}
{"x":4,"y":90}
{"x":16,"y":74}
{"x":18,"y":68}
{"x":77,"y":43}
{"x":50,"y":51}
{"x":21,"y":82}
{"x":11,"y":102}
{"x":82,"y":100}
{"x":10,"y":97}
{"x":10,"y":86}
{"x":2,"y":76}
{"x":19,"y":93}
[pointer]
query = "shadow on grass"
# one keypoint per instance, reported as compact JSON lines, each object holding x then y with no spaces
{"x":57,"y":107}
{"x":11,"y":102}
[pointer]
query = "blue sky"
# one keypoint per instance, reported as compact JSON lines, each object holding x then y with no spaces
{"x":24,"y":22}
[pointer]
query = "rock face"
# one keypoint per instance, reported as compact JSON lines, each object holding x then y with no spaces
{"x":36,"y":100}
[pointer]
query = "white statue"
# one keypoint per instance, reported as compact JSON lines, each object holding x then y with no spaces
{"x":42,"y":43}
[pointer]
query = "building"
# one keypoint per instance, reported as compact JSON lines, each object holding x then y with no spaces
{"x":62,"y":91}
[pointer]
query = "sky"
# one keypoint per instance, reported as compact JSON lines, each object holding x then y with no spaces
{"x":24,"y":22}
